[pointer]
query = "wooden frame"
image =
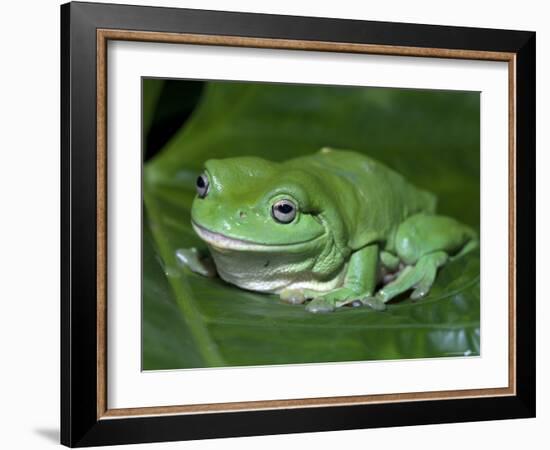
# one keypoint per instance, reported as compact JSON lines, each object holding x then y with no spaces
{"x":86,"y":418}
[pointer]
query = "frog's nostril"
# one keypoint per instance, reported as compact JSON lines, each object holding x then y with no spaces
{"x":242,"y":214}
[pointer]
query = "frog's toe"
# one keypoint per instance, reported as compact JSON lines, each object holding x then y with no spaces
{"x":419,"y":292}
{"x":320,"y":305}
{"x":422,"y":288}
{"x":193,"y":260}
{"x":374,"y":302}
{"x":293,"y":296}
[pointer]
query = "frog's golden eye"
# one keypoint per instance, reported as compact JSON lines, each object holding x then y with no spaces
{"x":202,"y":185}
{"x":283,"y":211}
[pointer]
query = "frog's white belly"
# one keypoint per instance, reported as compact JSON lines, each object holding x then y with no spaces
{"x":271,"y":272}
{"x":272,"y":268}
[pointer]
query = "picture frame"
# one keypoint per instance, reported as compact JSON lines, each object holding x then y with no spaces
{"x":86,"y":418}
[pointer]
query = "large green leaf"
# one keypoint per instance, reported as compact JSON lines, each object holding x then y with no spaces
{"x":431,"y":137}
{"x":151,"y":88}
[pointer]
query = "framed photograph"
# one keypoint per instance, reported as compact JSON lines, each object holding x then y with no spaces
{"x":277,"y":224}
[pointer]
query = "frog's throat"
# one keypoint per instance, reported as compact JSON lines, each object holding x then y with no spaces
{"x":224,"y":242}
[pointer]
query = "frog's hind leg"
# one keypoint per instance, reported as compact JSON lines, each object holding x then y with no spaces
{"x":419,"y":277}
{"x":425,"y":242}
{"x":472,"y":244}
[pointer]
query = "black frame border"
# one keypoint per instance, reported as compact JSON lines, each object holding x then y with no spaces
{"x":79,"y":423}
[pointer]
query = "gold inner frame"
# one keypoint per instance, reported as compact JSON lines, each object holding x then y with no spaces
{"x":103,"y":36}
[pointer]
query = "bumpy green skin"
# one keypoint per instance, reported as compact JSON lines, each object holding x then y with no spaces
{"x":359,"y":226}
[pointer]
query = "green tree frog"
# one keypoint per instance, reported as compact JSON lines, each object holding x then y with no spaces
{"x":329,"y":229}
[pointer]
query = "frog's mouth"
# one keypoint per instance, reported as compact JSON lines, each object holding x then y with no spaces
{"x":223,"y":242}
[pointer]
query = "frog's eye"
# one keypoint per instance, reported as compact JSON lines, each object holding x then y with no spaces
{"x":283,"y":211}
{"x":202,"y":185}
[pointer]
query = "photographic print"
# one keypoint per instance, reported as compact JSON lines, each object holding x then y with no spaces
{"x":292,"y":224}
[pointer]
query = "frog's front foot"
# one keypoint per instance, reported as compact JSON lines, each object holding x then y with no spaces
{"x":320,"y":305}
{"x":196,"y":261}
{"x":374,"y":302}
{"x":334,"y":299}
{"x":293,"y":296}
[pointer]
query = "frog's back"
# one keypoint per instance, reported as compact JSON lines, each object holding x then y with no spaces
{"x":373,"y":199}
